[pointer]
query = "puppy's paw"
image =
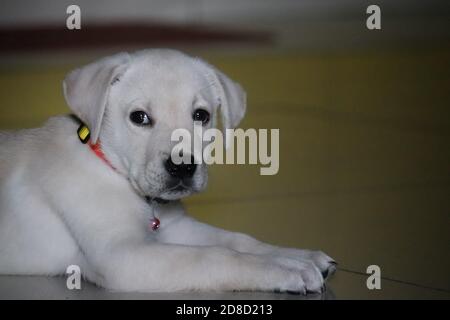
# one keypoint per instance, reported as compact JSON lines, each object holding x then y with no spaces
{"x":291,"y":282}
{"x":325,"y":264}
{"x":307,"y":271}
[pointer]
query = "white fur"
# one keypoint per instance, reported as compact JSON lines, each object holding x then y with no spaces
{"x":62,"y":205}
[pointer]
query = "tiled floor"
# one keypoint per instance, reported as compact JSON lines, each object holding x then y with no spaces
{"x":364,"y":166}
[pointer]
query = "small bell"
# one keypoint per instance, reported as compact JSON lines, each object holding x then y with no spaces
{"x":154,"y":224}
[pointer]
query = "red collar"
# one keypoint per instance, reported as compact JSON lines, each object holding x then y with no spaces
{"x":85,"y":135}
{"x":97,"y":149}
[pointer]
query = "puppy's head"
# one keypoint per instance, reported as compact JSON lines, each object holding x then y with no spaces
{"x":133,"y":102}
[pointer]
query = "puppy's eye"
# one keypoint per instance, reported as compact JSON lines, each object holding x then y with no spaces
{"x":140,"y":118}
{"x":201,"y":115}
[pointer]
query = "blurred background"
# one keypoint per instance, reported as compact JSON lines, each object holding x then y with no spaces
{"x":364,"y":118}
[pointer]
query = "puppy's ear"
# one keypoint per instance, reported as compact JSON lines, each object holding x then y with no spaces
{"x":233,"y":102}
{"x":86,"y":90}
{"x":233,"y":99}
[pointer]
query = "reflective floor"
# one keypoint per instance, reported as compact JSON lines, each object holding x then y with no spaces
{"x":344,"y":285}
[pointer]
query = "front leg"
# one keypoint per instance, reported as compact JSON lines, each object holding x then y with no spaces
{"x":186,"y":230}
{"x":162,"y":268}
{"x":121,"y":254}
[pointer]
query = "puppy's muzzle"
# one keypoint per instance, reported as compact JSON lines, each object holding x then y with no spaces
{"x":180,"y":171}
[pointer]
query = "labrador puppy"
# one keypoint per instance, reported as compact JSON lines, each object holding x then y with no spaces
{"x":112,"y":205}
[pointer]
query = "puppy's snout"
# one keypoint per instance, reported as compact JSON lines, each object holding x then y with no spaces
{"x":182,"y":170}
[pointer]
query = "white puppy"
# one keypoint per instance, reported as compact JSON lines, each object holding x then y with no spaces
{"x":61,"y":203}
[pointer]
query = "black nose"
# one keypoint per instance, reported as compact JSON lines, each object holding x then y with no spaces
{"x":182,"y":170}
